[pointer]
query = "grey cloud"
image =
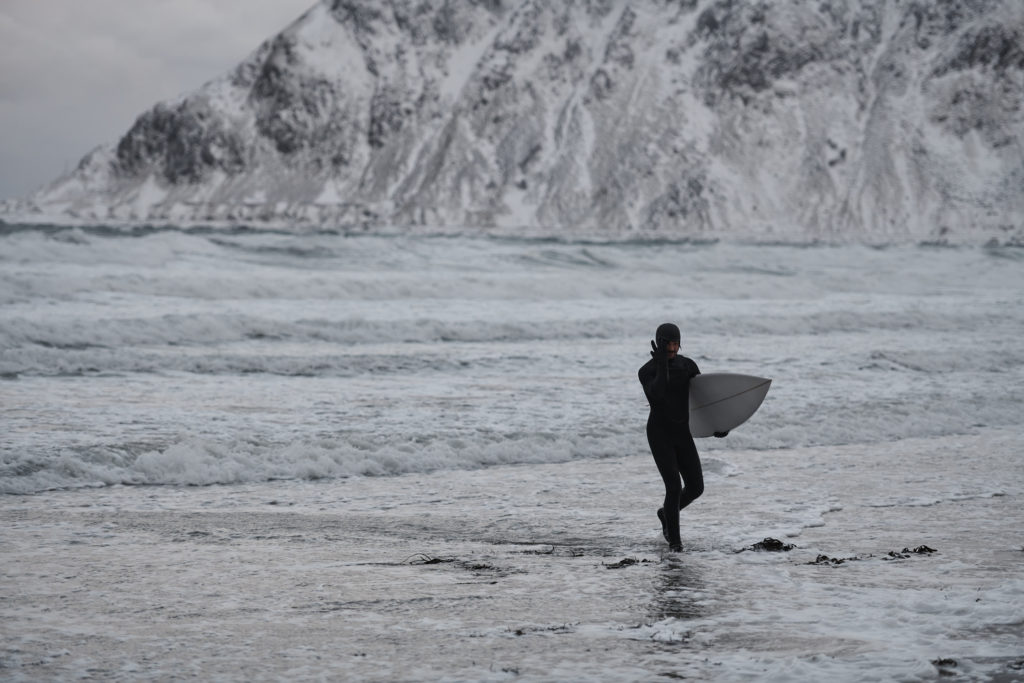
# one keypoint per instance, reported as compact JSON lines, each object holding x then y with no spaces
{"x":76,"y":74}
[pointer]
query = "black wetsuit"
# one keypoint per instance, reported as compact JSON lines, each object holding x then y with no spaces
{"x":667,"y":386}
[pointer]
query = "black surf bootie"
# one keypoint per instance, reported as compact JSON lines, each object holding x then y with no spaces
{"x":674,"y":547}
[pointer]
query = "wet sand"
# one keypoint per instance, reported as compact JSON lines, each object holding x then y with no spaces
{"x":518,"y":572}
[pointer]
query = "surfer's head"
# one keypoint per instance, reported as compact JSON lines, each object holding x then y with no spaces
{"x":668,"y":336}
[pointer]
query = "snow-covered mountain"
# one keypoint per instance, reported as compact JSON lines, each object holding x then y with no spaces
{"x":875,"y":120}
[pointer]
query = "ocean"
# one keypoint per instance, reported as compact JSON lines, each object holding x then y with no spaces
{"x":265,"y":455}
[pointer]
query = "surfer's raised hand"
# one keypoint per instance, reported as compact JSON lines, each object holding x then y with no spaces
{"x":659,"y":353}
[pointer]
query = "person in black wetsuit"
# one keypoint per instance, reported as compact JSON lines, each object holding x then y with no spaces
{"x":666,"y":381}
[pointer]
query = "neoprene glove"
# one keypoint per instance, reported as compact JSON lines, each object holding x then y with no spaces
{"x":659,"y":353}
{"x":721,"y":435}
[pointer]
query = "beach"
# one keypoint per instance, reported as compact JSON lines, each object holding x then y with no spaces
{"x":250,"y":456}
{"x":542,"y":572}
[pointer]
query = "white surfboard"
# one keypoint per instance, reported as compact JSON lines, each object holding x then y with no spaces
{"x":721,"y":401}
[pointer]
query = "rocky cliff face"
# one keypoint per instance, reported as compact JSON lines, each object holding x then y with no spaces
{"x":877,"y":120}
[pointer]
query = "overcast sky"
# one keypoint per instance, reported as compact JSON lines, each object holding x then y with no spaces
{"x":75,"y":74}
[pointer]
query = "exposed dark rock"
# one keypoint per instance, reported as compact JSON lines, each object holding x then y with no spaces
{"x":361,"y":15}
{"x":996,"y":47}
{"x":496,"y":79}
{"x":938,"y":18}
{"x":446,"y":24}
{"x":601,"y":84}
{"x":747,"y":48}
{"x":619,"y":50}
{"x":524,"y":32}
{"x":294,"y":109}
{"x":681,"y":201}
{"x":707,"y":23}
{"x":182,"y":143}
{"x":387,"y":115}
{"x":489,"y":5}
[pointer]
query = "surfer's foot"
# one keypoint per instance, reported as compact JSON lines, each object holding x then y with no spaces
{"x":675,"y":547}
{"x":664,"y":526}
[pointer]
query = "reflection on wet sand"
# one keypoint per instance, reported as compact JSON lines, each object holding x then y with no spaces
{"x":678,"y":591}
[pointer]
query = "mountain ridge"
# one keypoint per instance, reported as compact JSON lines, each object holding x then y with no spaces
{"x":809,"y":121}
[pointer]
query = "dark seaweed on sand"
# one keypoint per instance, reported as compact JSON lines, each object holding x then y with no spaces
{"x":907,"y":552}
{"x":826,"y":560}
{"x":421,"y":558}
{"x":624,"y":562}
{"x":770,"y":545}
{"x":891,"y":555}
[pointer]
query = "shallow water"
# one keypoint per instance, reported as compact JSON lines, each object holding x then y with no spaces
{"x":422,"y":457}
{"x":512,"y":571}
{"x":174,"y":357}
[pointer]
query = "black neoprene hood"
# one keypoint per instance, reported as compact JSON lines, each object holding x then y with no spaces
{"x":667,"y":332}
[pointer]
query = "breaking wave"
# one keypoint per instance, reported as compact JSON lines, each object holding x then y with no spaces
{"x":202,"y":462}
{"x":163,"y":356}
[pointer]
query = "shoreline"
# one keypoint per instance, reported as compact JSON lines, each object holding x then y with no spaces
{"x":517,"y":571}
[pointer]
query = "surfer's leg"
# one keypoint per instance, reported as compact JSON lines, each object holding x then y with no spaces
{"x":665,"y":458}
{"x":688,"y":463}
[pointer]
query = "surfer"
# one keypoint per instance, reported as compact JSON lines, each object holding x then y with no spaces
{"x":666,"y":381}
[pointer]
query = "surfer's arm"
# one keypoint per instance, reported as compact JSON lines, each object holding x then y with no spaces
{"x":654,"y":378}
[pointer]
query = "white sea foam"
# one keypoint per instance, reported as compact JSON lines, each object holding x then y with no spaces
{"x":206,"y":461}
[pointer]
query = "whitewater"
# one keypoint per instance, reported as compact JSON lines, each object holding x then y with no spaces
{"x":258,"y":455}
